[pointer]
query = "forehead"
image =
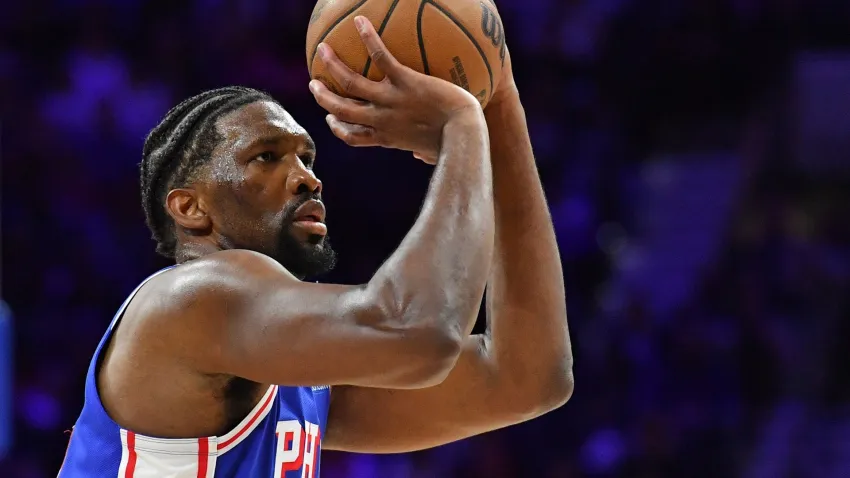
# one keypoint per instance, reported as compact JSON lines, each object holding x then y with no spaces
{"x":258,"y":120}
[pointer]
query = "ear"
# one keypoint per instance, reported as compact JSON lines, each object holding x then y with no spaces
{"x":185,"y":207}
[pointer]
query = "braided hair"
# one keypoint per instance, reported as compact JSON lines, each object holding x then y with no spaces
{"x":174,"y":150}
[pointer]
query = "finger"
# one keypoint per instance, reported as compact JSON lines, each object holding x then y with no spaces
{"x":352,"y":84}
{"x":353,"y":134}
{"x":346,"y":109}
{"x":381,"y":56}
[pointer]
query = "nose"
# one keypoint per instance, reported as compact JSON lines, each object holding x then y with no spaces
{"x":303,"y":180}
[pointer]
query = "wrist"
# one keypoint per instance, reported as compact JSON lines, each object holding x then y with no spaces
{"x":506,"y":92}
{"x":470,"y":116}
{"x":463,"y":125}
{"x":507,"y":95}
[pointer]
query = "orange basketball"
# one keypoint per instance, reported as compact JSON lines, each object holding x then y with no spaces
{"x":462,"y":41}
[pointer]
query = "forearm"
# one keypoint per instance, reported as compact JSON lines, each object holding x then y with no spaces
{"x":526,"y":306}
{"x":440,"y":270}
{"x":521,"y":368}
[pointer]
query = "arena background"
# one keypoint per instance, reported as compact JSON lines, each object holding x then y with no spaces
{"x":695,"y":156}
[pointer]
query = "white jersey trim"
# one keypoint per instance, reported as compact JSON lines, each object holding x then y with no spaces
{"x":148,"y":457}
{"x":249,"y":423}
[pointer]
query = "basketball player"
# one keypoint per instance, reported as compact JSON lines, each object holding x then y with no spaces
{"x":227,"y":364}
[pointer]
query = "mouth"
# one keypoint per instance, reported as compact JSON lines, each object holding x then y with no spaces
{"x":310,"y":217}
{"x":310,"y":211}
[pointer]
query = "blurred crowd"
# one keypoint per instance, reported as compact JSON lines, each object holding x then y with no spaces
{"x":606,"y":83}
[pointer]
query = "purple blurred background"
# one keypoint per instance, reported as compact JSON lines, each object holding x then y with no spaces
{"x":695,"y":156}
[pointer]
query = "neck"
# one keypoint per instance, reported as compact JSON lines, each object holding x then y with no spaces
{"x":191,"y":251}
{"x":194,"y":250}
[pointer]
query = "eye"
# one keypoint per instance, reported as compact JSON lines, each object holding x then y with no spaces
{"x":308,"y":160}
{"x":266,"y":157}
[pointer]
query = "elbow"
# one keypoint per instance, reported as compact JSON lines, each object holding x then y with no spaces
{"x":424,"y":353}
{"x":436,"y":352}
{"x":559,"y":391}
{"x":428,"y":343}
{"x":553,"y":389}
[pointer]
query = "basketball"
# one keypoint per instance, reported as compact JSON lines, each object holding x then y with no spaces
{"x":461,"y":41}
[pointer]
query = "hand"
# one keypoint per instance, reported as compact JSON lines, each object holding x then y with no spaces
{"x":506,"y":86}
{"x":407,"y":110}
{"x":505,"y":89}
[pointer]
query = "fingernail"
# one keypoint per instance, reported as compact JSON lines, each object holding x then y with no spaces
{"x":314,"y":87}
{"x":329,"y":119}
{"x":323,"y":51}
{"x":360,"y":22}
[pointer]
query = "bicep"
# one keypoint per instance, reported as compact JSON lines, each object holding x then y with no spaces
{"x":266,"y":326}
{"x":471,"y":401}
{"x":311,"y":334}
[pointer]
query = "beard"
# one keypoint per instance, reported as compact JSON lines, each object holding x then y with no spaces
{"x":309,"y":258}
{"x":305,"y":259}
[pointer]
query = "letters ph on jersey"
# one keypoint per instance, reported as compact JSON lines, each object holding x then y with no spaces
{"x":297,"y":448}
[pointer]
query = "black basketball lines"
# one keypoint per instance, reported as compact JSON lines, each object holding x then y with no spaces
{"x":492,"y":28}
{"x":380,"y":32}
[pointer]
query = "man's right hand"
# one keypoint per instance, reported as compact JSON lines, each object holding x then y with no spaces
{"x":407,"y":110}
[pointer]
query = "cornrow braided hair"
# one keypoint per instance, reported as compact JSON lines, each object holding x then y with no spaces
{"x":177,"y":147}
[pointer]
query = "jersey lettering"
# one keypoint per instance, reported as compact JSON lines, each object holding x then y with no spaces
{"x":297,"y":449}
{"x":311,"y":450}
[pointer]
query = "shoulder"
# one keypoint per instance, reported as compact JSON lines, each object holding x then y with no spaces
{"x":213,"y":286}
{"x":188,"y":311}
{"x":236,"y":264}
{"x":222,"y":274}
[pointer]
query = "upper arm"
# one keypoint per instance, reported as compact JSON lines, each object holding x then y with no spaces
{"x":475,"y":398}
{"x":244,"y":315}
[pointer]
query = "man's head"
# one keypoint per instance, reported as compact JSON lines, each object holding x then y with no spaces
{"x":231,"y":169}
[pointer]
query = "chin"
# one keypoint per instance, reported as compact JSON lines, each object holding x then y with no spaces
{"x":316,"y":240}
{"x":309,"y":257}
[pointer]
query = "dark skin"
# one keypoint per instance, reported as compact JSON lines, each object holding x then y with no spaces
{"x":405,"y":372}
{"x":233,"y":313}
{"x":521,"y":367}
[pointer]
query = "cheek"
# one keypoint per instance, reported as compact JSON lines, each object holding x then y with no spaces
{"x":235,"y":190}
{"x":257,"y":203}
{"x":255,"y":210}
{"x":250,"y":207}
{"x":231,"y":208}
{"x":260,"y":184}
{"x":248,"y":196}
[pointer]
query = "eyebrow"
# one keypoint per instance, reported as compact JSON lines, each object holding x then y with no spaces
{"x":275,"y":139}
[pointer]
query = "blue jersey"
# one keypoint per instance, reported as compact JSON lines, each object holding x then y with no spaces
{"x":280,"y":438}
